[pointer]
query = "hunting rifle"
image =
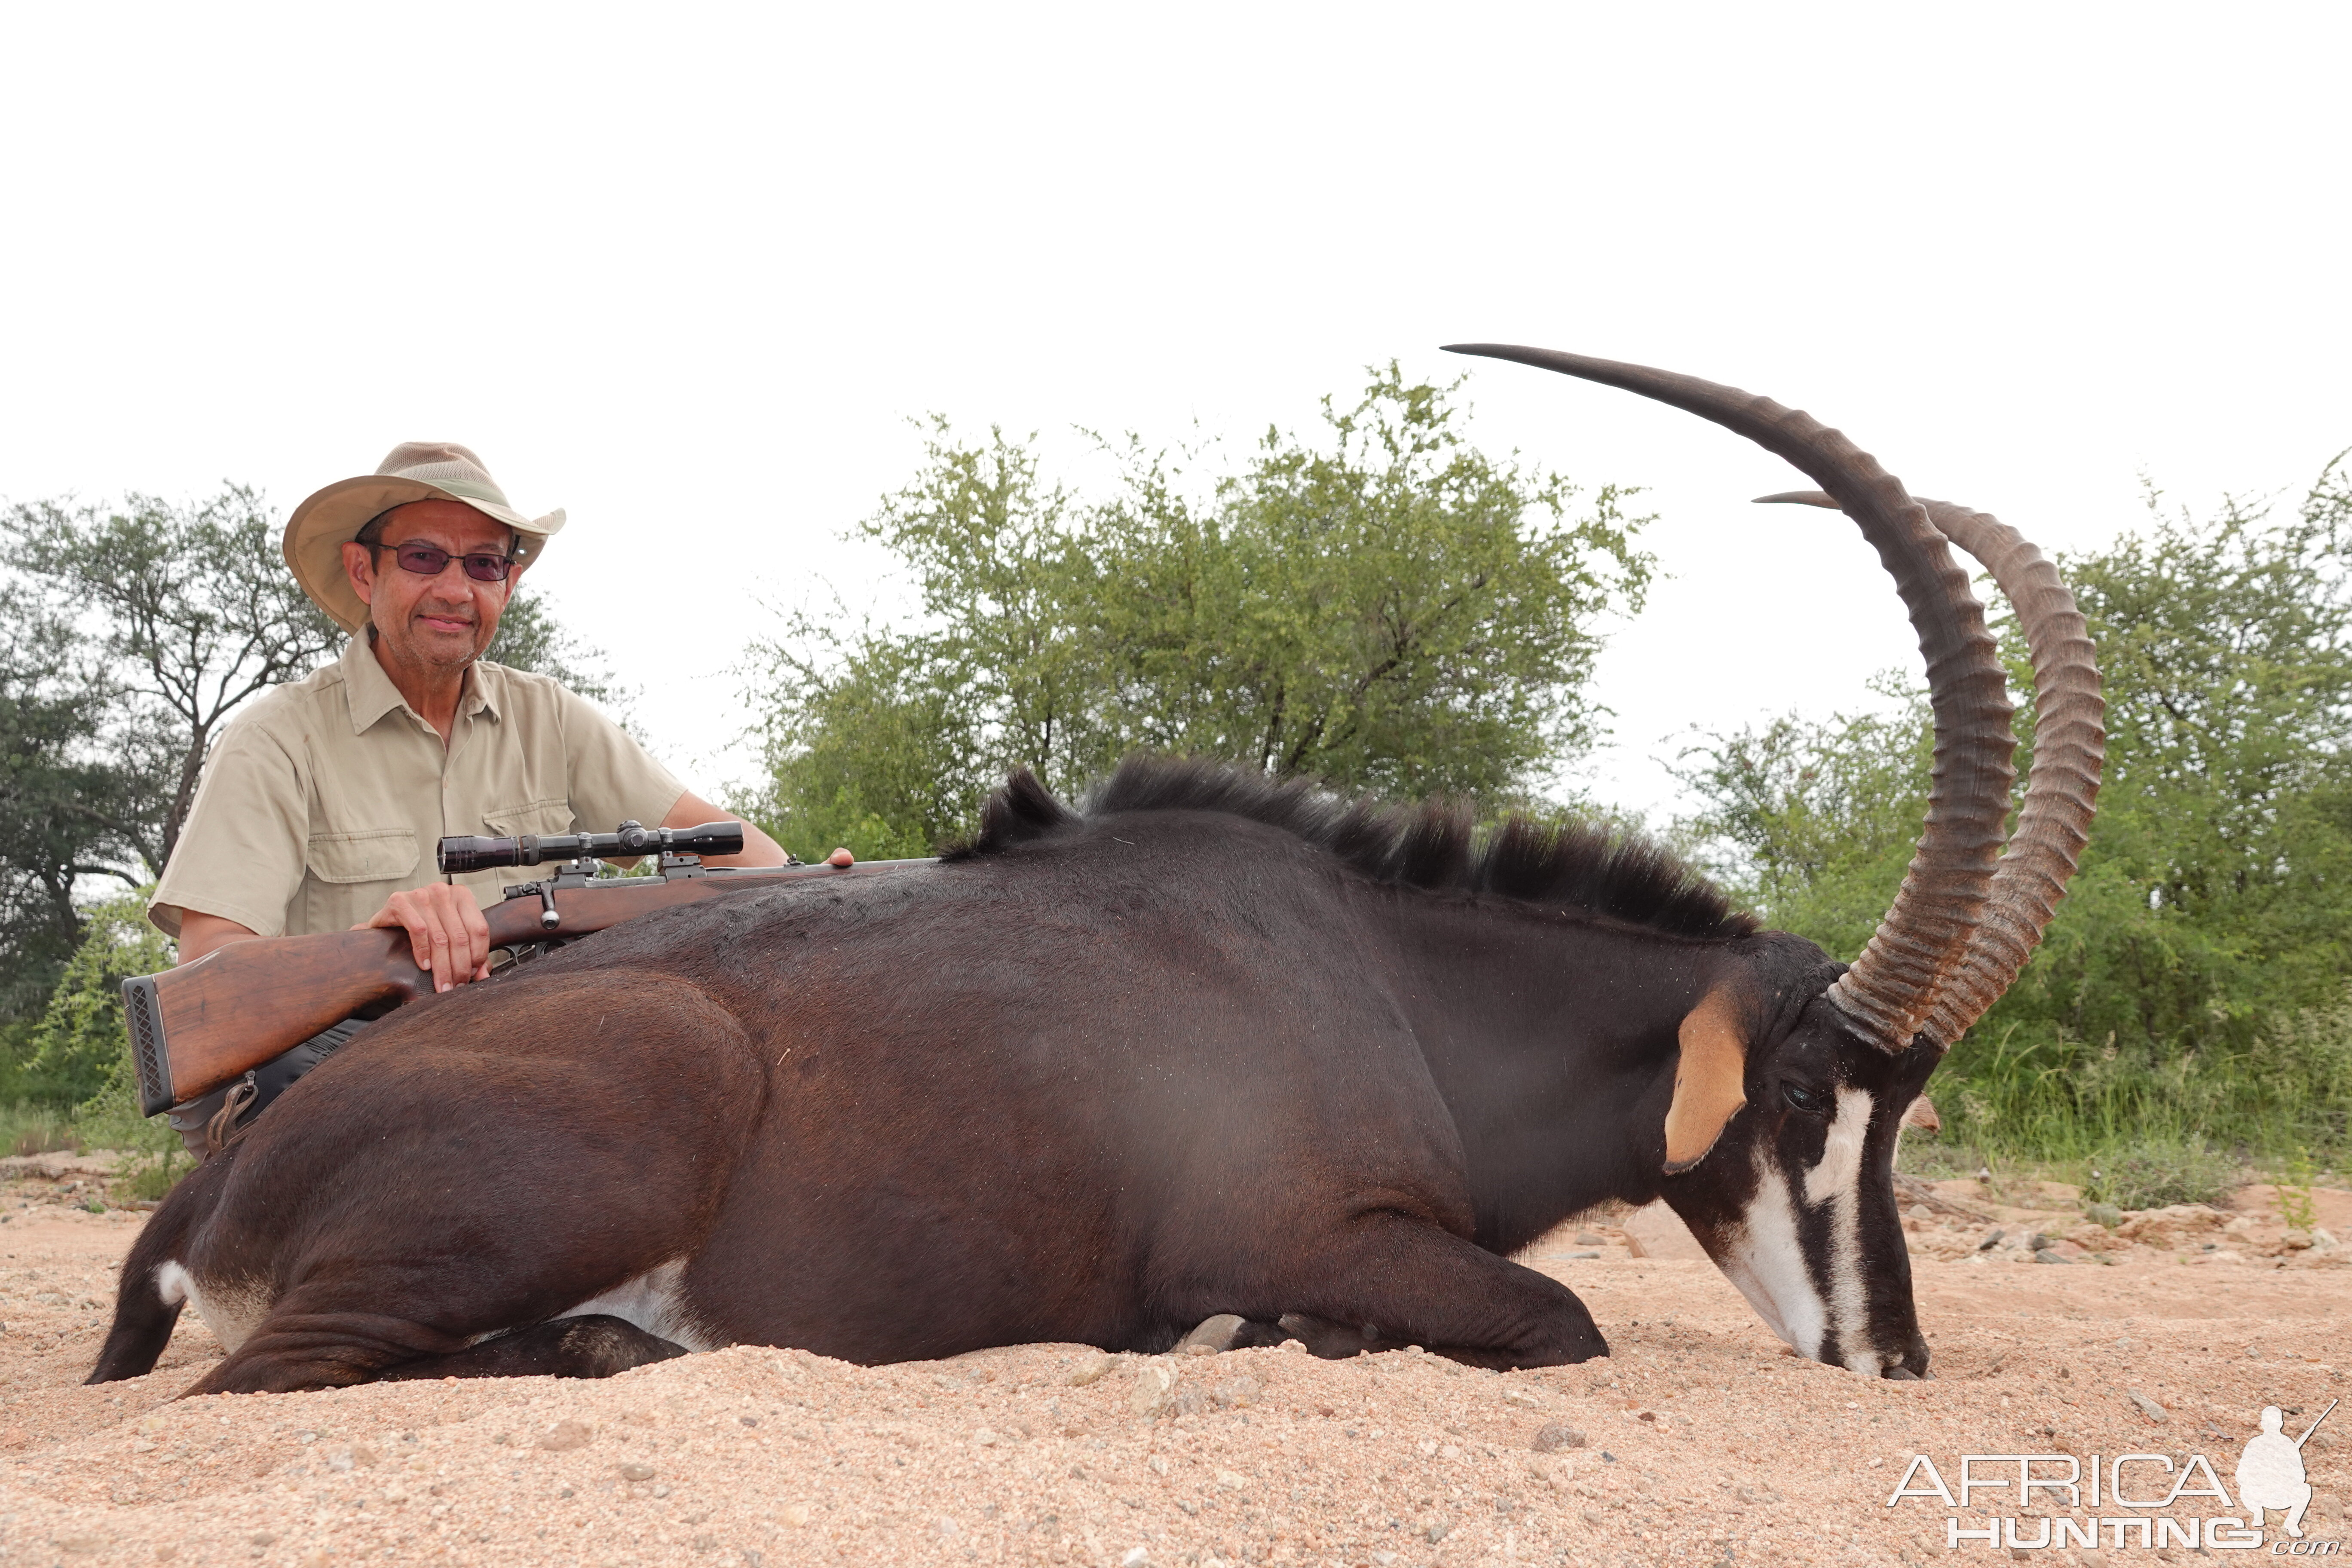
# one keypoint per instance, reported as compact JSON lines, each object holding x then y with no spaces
{"x":198,"y":1027}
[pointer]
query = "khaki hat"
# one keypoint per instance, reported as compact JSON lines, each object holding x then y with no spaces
{"x":416,"y":470}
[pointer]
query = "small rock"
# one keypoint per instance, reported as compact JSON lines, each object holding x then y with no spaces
{"x":1920,"y":1211}
{"x":2043,"y":1255}
{"x":565,"y":1435}
{"x":1439,"y":1532}
{"x":1554,"y":1435}
{"x":78,"y":1544}
{"x":262,"y":1538}
{"x":1578,"y":1257}
{"x":1136,"y":1558}
{"x":1586,"y":1238}
{"x":636,"y":1473}
{"x":1523,"y":1397}
{"x":795,"y":1514}
{"x":1091,"y":1369}
{"x":985,"y":1436}
{"x":2104,"y":1214}
{"x":2148,"y":1408}
{"x":1155,"y":1388}
{"x":2296,"y":1240}
{"x":1993,"y":1239}
{"x":1214,"y":1334}
{"x":1230,"y":1481}
{"x":947,"y":1529}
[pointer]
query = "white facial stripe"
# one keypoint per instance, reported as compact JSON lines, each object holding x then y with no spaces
{"x":1841,"y":1167}
{"x":1766,"y":1262}
{"x":1849,"y":1300}
{"x":1837,"y":1181}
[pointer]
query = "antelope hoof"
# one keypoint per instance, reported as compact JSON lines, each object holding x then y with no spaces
{"x":1332,"y":1342}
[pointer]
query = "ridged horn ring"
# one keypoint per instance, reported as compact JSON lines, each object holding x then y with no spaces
{"x":1892,"y":989}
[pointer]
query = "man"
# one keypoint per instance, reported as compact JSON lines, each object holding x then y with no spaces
{"x":322,"y":804}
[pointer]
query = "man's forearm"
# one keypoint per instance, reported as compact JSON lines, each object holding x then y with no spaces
{"x":202,"y":933}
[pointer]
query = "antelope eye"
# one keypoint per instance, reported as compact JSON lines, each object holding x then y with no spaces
{"x":1812,"y":1102}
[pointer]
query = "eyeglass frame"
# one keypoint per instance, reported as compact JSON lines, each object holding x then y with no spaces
{"x":464,"y":559}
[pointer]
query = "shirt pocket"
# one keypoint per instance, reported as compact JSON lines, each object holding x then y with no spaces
{"x":531,"y":817}
{"x":382,"y":854}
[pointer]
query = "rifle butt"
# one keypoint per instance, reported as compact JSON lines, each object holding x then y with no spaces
{"x":153,"y":1064}
{"x":198,"y":1027}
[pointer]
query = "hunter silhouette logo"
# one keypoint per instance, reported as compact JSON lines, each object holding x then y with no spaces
{"x":2140,"y":1488}
{"x":2270,"y":1473}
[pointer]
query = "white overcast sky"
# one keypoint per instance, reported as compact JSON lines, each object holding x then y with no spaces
{"x":686,"y":271}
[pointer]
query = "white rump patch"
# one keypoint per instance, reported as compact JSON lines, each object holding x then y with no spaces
{"x":656,"y":1302}
{"x":1841,"y":1167}
{"x":232,"y":1312}
{"x":1766,"y":1261}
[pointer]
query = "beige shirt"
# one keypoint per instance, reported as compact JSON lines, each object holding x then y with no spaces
{"x":326,"y":796}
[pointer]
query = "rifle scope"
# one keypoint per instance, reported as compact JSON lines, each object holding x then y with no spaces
{"x":460,"y":855}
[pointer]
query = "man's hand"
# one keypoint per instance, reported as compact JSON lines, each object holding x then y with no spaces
{"x":445,"y":931}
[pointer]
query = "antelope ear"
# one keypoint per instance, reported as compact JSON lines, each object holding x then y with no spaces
{"x":1708,"y":1080}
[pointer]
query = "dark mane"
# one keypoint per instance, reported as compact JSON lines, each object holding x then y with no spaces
{"x":1436,"y":845}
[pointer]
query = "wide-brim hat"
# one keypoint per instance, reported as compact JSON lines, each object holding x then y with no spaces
{"x":416,"y":470}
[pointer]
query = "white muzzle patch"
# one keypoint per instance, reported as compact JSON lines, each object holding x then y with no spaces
{"x":1766,"y":1257}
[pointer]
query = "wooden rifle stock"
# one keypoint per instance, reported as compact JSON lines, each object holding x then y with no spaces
{"x":205,"y":1024}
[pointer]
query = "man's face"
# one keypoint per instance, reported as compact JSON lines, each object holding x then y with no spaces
{"x":443,"y":621}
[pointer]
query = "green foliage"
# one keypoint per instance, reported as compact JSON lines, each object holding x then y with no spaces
{"x":67,"y":810}
{"x":2155,"y":1174}
{"x":80,"y":1050}
{"x":190,"y":611}
{"x":1812,"y":824}
{"x":1385,"y":609}
{"x":26,"y":1128}
{"x":2194,"y":983}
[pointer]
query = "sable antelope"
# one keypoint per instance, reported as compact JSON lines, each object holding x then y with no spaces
{"x":1217,"y":1045}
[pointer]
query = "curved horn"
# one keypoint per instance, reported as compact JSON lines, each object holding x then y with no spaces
{"x":1893,"y":986}
{"x":2069,"y":747}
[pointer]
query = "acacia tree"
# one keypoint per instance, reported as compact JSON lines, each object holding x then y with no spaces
{"x":193,"y":611}
{"x":64,"y":801}
{"x":1383,"y":608}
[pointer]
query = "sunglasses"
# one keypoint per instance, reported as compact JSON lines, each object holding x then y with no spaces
{"x":427,"y":562}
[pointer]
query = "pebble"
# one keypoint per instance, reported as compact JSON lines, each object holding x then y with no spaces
{"x":565,"y":1435}
{"x":1092,"y":1369}
{"x":2104,"y":1214}
{"x":1991,"y":1241}
{"x":1214,"y":1334}
{"x":636,"y":1473}
{"x":2148,"y":1407}
{"x":2043,"y":1255}
{"x":1586,"y":1238}
{"x":1554,"y":1435}
{"x":1154,"y":1390}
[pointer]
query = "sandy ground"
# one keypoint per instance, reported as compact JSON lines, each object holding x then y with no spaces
{"x":1696,"y":1442}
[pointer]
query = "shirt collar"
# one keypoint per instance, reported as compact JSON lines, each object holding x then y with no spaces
{"x":373,"y":695}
